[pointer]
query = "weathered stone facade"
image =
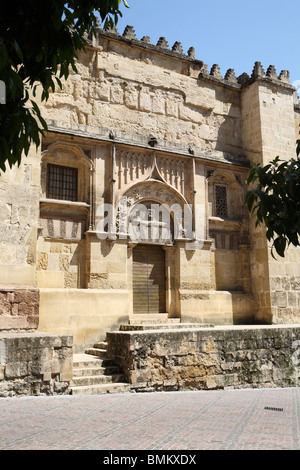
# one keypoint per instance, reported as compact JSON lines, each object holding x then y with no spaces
{"x":150,"y":124}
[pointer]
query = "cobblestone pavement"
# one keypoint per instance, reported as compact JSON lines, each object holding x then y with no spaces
{"x":213,"y":420}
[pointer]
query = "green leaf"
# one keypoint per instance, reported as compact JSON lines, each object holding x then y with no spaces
{"x":280,"y":245}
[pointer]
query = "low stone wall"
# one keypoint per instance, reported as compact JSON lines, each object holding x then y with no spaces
{"x":208,"y":358}
{"x":19,"y":308}
{"x":35,"y":364}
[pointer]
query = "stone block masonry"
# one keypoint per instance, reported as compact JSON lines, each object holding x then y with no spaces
{"x":33,"y":364}
{"x":19,"y":308}
{"x":208,"y":358}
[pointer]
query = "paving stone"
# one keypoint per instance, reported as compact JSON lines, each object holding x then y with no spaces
{"x":203,"y":420}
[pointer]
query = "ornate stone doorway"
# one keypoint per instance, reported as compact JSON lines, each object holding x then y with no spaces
{"x":149,"y":279}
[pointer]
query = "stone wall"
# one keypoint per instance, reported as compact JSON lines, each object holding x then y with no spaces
{"x":60,"y":264}
{"x":35,"y":364}
{"x":121,"y":87}
{"x":208,"y":358}
{"x":19,"y":308}
{"x":285,"y":288}
{"x":86,"y":314}
{"x":19,"y":216}
{"x":269,"y":131}
{"x":216,"y":307}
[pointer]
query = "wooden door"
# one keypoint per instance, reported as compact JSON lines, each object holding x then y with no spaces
{"x":149,"y":283}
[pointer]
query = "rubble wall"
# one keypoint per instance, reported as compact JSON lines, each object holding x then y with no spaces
{"x":208,"y":358}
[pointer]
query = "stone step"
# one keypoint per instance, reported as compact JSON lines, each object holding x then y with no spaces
{"x":96,"y":352}
{"x":95,"y":375}
{"x":163,"y":326}
{"x":101,"y":345}
{"x":92,"y":371}
{"x":101,"y":389}
{"x":152,"y":318}
{"x":81,"y":361}
{"x":96,"y":380}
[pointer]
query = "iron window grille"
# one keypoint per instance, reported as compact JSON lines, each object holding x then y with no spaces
{"x":62,"y":182}
{"x":221,"y":201}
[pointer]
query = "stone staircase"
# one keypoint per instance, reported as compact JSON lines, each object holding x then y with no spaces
{"x":159,"y":322}
{"x":163,"y":326}
{"x":94,"y":373}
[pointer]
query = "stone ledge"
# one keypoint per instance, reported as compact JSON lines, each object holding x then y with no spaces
{"x":138,"y":141}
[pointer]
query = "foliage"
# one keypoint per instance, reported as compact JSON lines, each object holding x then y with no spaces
{"x":276,"y":201}
{"x":39,"y":42}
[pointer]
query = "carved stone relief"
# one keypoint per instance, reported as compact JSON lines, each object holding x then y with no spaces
{"x":153,"y":195}
{"x":132,"y":167}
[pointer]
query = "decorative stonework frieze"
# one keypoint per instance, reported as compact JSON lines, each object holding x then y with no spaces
{"x":132,"y":167}
{"x":152,"y":191}
{"x":62,"y":229}
{"x":173,"y":171}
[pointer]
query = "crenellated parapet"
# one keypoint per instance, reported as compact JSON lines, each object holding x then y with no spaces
{"x":214,"y":74}
{"x":162,"y":46}
{"x":258,"y":73}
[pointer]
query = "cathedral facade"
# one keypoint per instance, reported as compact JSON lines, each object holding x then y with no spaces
{"x":133,"y":208}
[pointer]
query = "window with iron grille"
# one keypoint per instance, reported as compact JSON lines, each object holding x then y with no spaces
{"x":221,"y":201}
{"x":62,"y":182}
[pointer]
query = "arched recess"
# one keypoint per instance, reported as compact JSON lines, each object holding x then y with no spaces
{"x":62,"y":217}
{"x":228,"y":227}
{"x":72,"y":156}
{"x":225,"y":195}
{"x":159,"y":194}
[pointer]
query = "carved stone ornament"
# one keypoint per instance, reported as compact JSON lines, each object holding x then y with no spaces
{"x":152,"y":192}
{"x":155,"y":191}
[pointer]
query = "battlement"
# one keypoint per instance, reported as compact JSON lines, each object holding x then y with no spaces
{"x":162,"y":45}
{"x":258,"y":73}
{"x":214,"y":74}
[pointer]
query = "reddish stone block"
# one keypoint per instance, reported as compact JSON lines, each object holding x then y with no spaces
{"x":19,"y":308}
